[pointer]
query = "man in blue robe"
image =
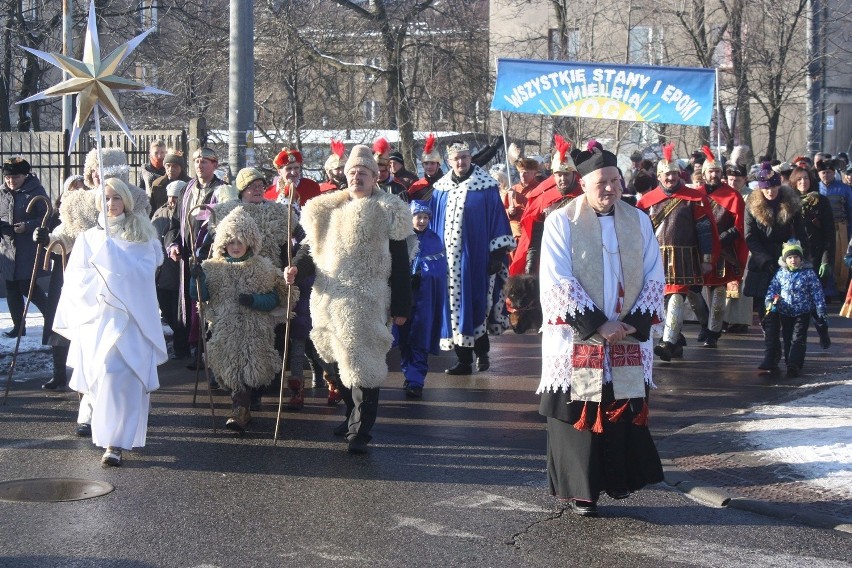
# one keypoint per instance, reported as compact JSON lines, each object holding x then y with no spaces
{"x":468,"y":215}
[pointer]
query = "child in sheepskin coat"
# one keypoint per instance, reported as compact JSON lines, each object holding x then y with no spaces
{"x":236,"y":283}
{"x":794,"y":292}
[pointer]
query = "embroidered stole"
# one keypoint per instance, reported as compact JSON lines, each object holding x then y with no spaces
{"x":592,"y":357}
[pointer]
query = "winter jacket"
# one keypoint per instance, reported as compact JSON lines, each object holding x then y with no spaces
{"x":799,"y":291}
{"x":17,"y":250}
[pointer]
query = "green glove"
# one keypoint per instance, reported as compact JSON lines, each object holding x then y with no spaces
{"x":824,"y":270}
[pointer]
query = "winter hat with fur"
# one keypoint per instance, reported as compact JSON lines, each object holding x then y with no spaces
{"x":362,"y":155}
{"x":175,"y":188}
{"x":114,"y":166}
{"x":237,"y":225}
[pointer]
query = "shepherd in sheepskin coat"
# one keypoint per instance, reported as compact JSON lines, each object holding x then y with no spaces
{"x":241,"y":349}
{"x":351,"y":297}
{"x":271,"y":219}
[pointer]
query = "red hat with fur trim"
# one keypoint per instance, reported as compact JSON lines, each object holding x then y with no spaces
{"x":287,"y":156}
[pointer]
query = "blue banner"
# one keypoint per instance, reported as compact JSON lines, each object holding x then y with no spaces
{"x":640,"y":93}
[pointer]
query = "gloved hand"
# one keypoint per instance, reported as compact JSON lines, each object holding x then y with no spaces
{"x":41,"y":236}
{"x":246,"y":300}
{"x":196,"y":271}
{"x":824,"y":270}
{"x":495,"y":263}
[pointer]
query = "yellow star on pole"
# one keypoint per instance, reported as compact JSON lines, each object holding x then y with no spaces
{"x":93,"y":79}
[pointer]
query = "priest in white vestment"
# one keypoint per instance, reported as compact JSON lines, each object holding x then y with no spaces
{"x":601,"y":282}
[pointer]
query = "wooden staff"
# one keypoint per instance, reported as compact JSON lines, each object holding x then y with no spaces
{"x":202,"y":335}
{"x":287,"y":321}
{"x":39,"y":247}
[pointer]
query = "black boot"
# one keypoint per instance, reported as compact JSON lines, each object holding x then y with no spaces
{"x":60,"y":376}
{"x":364,"y":412}
{"x":663,"y":350}
{"x":711,"y":339}
{"x":464,"y":366}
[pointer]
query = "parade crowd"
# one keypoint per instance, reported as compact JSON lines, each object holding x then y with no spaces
{"x":329,"y":276}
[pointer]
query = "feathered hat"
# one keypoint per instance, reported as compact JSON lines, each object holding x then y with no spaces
{"x":335,"y":160}
{"x":562,"y":161}
{"x":287,"y":156}
{"x":668,"y":163}
{"x":381,"y":151}
{"x":430,"y":153}
{"x":738,"y":162}
{"x":710,"y":163}
{"x":522,"y":163}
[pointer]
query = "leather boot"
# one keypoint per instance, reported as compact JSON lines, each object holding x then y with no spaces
{"x":712,"y":339}
{"x":297,"y":392}
{"x":663,"y":350}
{"x":239,"y":419}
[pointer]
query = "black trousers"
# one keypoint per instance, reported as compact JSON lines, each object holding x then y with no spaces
{"x":481,"y":347}
{"x":168,"y":301}
{"x":16,"y":291}
{"x":362,"y":406}
{"x":792,"y":332}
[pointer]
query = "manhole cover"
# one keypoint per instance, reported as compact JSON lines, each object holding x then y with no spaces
{"x":52,"y":489}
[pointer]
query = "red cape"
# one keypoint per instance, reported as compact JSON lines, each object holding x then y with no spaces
{"x":539,"y":199}
{"x":733,"y":202}
{"x":307,"y":189}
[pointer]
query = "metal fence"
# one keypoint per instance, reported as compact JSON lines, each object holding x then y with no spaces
{"x":47,"y":152}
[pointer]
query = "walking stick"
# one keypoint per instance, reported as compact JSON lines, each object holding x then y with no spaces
{"x":287,"y":321}
{"x":47,"y":215}
{"x":202,"y":334}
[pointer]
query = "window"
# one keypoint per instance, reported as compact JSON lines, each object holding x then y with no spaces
{"x":570,"y":51}
{"x":372,"y":109}
{"x":374,"y":62}
{"x":645,"y":46}
{"x":148,"y":14}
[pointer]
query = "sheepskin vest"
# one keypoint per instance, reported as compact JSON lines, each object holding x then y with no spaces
{"x":241,"y":350}
{"x":350,"y":302}
{"x":77,"y":214}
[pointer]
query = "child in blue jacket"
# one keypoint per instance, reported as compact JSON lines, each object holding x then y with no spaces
{"x":421,"y":334}
{"x":795,"y":292}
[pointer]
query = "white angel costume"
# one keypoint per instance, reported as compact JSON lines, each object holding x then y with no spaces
{"x":109,"y":312}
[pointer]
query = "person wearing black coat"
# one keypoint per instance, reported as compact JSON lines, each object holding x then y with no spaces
{"x":773,"y":217}
{"x":17,"y":249}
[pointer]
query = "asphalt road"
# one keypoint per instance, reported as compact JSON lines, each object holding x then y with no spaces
{"x":456,"y":479}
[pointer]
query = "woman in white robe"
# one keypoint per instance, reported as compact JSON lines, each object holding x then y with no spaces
{"x":109,"y":312}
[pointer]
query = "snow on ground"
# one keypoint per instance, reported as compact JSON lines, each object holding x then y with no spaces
{"x":813,"y":434}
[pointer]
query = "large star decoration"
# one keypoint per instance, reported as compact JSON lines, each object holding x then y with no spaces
{"x":93,"y":79}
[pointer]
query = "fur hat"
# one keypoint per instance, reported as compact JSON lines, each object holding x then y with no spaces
{"x":361,"y":155}
{"x":824,"y":164}
{"x":226,"y":193}
{"x":430,"y":154}
{"x":766,"y":177}
{"x":174,"y":157}
{"x":175,"y":188}
{"x":286,"y":157}
{"x":417,"y":207}
{"x":457,"y":146}
{"x":738,"y":162}
{"x":71,"y":180}
{"x":668,"y":163}
{"x":790,"y":248}
{"x":784,"y":168}
{"x":246,"y":176}
{"x":114,"y":166}
{"x":16,"y":165}
{"x":237,"y":225}
{"x":562,"y":161}
{"x":206,"y":154}
{"x":335,"y":160}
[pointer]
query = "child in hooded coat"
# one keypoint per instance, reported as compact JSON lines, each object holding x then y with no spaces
{"x":794,"y":292}
{"x":242,"y":290}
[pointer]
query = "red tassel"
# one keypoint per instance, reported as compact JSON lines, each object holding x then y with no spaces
{"x":641,"y":419}
{"x":614,"y":414}
{"x":598,"y":427}
{"x":581,"y":423}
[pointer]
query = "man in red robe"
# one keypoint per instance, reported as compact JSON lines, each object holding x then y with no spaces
{"x":288,"y":162}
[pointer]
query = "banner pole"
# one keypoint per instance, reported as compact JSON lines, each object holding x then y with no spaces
{"x":506,"y":148}
{"x":718,"y":115}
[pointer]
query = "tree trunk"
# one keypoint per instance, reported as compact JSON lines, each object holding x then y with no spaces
{"x":6,"y":78}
